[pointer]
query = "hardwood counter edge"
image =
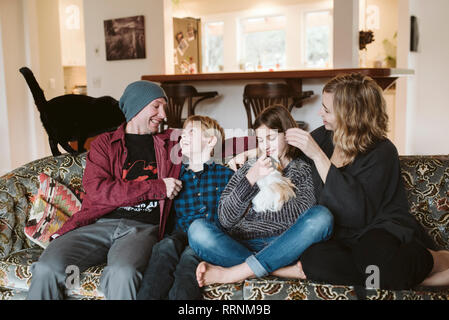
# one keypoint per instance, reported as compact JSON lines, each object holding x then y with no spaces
{"x":273,"y":75}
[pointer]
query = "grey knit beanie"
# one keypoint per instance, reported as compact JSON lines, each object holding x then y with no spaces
{"x":137,"y":96}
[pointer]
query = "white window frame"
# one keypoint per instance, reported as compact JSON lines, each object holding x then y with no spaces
{"x":304,"y":42}
{"x":204,"y":37}
{"x":239,"y":33}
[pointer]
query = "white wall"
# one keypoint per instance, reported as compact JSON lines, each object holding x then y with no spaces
{"x":14,"y":102}
{"x":404,"y":92}
{"x":43,"y":57}
{"x":71,"y":23}
{"x":30,"y":37}
{"x":50,"y":58}
{"x":428,"y":118}
{"x":5,"y":160}
{"x":112,"y":77}
{"x":346,"y":25}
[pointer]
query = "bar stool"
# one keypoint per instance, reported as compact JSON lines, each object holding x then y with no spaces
{"x":177,"y":95}
{"x":258,"y":96}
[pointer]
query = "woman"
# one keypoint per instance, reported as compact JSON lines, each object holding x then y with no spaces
{"x":356,"y":173}
{"x":250,"y":243}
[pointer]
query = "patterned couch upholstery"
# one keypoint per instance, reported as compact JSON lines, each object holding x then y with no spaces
{"x":426,"y":179}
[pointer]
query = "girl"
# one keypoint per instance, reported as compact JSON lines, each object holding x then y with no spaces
{"x":250,"y":243}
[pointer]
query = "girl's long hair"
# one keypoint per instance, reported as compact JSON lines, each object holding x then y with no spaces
{"x":360,"y":112}
{"x":278,"y":117}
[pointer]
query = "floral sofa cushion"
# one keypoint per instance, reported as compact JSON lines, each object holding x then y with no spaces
{"x":426,"y":180}
{"x":7,"y":220}
{"x":284,"y":289}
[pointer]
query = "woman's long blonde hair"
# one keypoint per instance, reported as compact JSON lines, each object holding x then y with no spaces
{"x":360,"y":112}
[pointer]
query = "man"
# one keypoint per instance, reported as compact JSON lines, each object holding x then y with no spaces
{"x":130,"y":182}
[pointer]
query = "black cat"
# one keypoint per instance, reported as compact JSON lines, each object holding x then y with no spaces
{"x":73,"y":117}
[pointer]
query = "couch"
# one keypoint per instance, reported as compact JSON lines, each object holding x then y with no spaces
{"x":426,"y":180}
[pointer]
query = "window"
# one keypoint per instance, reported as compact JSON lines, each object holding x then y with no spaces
{"x":276,"y":38}
{"x":262,"y":43}
{"x":213,"y":57}
{"x":318,"y":39}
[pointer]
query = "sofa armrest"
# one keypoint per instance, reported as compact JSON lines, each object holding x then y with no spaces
{"x":16,"y":188}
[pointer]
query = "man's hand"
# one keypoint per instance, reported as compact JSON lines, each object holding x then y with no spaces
{"x":173,"y":187}
{"x":262,"y":168}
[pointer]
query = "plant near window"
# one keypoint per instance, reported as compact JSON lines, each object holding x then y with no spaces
{"x":390,"y":48}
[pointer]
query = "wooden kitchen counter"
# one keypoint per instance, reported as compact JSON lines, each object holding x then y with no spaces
{"x":385,"y":77}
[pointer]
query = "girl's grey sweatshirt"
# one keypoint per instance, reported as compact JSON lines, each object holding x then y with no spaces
{"x":238,"y":218}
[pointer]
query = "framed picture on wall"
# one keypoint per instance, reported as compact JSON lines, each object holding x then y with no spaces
{"x":125,"y":38}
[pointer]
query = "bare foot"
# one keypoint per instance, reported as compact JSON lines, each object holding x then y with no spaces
{"x":439,"y":276}
{"x":207,"y":274}
{"x":293,"y":272}
{"x":200,"y":270}
{"x":437,"y":279}
{"x":440,"y":260}
{"x":445,"y":256}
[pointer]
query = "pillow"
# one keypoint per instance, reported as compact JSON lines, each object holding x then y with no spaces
{"x":39,"y":231}
{"x":58,"y":195}
{"x":52,"y":206}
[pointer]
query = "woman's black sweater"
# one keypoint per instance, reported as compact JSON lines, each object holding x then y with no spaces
{"x":367,"y":193}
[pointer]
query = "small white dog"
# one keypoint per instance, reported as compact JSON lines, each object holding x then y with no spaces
{"x":275,"y":190}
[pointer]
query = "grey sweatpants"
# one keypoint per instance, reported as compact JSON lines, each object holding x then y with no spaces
{"x":125,"y":245}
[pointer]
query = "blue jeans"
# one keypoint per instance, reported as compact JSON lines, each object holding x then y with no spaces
{"x":263,"y":255}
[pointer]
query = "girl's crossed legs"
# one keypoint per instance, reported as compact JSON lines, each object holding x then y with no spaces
{"x":228,"y":260}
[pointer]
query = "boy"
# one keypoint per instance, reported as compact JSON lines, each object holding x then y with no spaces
{"x":171,"y":270}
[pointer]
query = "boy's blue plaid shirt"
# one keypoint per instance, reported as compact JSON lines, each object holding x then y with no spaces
{"x":200,"y":193}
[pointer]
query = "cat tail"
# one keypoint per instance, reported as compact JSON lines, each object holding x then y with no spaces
{"x":36,"y":91}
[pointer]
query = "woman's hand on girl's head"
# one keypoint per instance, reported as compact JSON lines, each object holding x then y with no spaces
{"x":260,"y":169}
{"x":304,"y":141}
